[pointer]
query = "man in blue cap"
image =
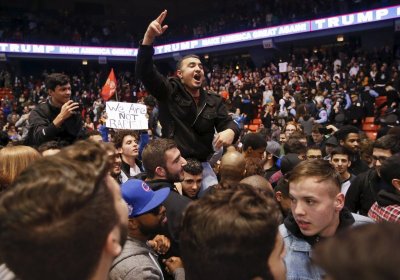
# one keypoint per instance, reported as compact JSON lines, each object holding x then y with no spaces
{"x":146,"y":213}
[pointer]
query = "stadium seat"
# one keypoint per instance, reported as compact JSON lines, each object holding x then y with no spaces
{"x":253,"y":127}
{"x":371,"y":135}
{"x":368,"y":120}
{"x":370,"y":127}
{"x":380,"y":100}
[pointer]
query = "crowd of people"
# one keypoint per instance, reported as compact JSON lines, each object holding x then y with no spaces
{"x":66,"y":26}
{"x":197,"y":196}
{"x":325,"y":86}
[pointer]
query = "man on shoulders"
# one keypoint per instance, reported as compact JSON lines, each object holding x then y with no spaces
{"x":58,"y":118}
{"x":188,"y":114}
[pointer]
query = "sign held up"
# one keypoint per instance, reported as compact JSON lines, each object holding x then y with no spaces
{"x":122,"y":115}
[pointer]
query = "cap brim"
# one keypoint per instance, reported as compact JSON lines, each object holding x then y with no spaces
{"x":158,"y":198}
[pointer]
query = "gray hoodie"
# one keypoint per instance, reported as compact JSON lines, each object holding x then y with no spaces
{"x":138,"y":261}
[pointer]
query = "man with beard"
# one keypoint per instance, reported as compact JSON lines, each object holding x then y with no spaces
{"x":317,"y":212}
{"x":188,"y":114}
{"x":73,"y":221}
{"x":349,"y":138}
{"x":363,"y":192}
{"x":163,"y":163}
{"x":192,"y":179}
{"x":138,"y":259}
{"x":387,"y":206}
{"x":115,"y":157}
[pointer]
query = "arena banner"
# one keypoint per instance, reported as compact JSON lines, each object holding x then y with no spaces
{"x":123,"y":115}
{"x":312,"y":25}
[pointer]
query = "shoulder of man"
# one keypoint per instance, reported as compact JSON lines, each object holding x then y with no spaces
{"x":42,"y":107}
{"x":284,"y":231}
{"x":134,"y":255}
{"x":292,"y":242}
{"x":360,"y":220}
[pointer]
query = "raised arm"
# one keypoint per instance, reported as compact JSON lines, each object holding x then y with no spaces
{"x":155,"y":29}
{"x":155,"y":83}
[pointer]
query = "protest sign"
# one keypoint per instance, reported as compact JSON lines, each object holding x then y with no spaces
{"x":122,"y":115}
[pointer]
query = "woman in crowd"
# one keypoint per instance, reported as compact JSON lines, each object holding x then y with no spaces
{"x":13,"y":160}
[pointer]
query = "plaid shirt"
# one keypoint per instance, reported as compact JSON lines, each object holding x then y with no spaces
{"x":390,"y":213}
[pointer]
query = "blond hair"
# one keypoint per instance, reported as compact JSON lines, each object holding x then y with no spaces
{"x":13,"y":160}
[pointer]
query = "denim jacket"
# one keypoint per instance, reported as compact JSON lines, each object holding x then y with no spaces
{"x":299,"y":251}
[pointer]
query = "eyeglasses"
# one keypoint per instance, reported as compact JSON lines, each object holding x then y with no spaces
{"x":381,"y":158}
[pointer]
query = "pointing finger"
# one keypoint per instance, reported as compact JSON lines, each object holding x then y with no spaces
{"x":161,"y":17}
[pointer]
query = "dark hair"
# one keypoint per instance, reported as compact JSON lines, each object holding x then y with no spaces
{"x":318,"y":168}
{"x":179,"y":63}
{"x":283,"y":186}
{"x":254,"y":167}
{"x":153,"y":155}
{"x":56,"y":79}
{"x":64,"y":208}
{"x":229,"y":234}
{"x":93,"y":132}
{"x":344,"y":131}
{"x":364,"y":252}
{"x":49,"y":145}
{"x":254,"y":140}
{"x":314,"y":147}
{"x":150,"y":101}
{"x":121,"y":134}
{"x":388,"y":142}
{"x":294,"y":146}
{"x":4,"y":139}
{"x":340,"y":151}
{"x":316,"y":128}
{"x":298,"y":135}
{"x":193,"y":166}
{"x":390,"y":169}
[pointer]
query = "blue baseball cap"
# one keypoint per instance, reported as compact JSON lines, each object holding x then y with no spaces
{"x":140,"y":198}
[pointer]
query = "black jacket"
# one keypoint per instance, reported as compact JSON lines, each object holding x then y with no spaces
{"x":191,"y":126}
{"x":357,"y":166}
{"x":346,"y":219}
{"x":42,"y":129}
{"x":175,"y":205}
{"x":363,"y":192}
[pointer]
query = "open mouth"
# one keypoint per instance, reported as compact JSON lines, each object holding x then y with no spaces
{"x":197,"y":77}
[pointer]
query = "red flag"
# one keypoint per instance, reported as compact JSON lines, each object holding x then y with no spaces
{"x":109,"y":87}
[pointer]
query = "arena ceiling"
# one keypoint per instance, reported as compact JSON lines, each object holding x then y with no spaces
{"x":134,"y":10}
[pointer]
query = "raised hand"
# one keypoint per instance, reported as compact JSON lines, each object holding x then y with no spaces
{"x":155,"y":29}
{"x":224,"y":138}
{"x":67,"y":110}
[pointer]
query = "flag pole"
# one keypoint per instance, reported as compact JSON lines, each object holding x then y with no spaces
{"x":116,"y":88}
